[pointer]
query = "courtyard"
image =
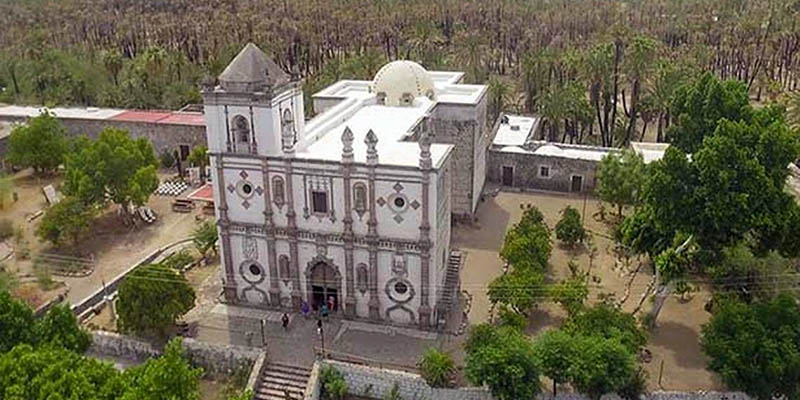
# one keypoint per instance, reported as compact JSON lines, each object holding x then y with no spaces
{"x":674,"y":343}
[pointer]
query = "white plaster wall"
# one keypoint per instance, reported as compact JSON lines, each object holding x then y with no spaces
{"x":244,"y":278}
{"x":215,"y":128}
{"x":237,"y":212}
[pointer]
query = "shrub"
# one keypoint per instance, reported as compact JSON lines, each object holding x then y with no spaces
{"x":512,"y":319}
{"x":570,"y":228}
{"x":178,"y":260}
{"x":437,"y":368}
{"x":167,"y":159}
{"x":333,"y":385}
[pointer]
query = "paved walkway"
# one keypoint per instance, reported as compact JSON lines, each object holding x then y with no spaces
{"x":361,"y":341}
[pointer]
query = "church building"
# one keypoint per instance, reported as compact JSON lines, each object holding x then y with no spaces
{"x":353,"y":207}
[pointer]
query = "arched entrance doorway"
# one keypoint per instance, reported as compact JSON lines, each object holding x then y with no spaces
{"x":324,"y":285}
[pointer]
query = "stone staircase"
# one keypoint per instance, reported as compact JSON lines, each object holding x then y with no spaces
{"x":282,"y":382}
{"x":452,"y":285}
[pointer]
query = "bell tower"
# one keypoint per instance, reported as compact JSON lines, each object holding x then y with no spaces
{"x":255,"y":108}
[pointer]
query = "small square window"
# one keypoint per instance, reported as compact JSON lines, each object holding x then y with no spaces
{"x":319,"y":202}
{"x":544,"y":171}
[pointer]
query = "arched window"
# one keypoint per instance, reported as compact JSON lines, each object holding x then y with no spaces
{"x":278,"y":192}
{"x":241,"y":128}
{"x":362,"y":278}
{"x":360,"y":197}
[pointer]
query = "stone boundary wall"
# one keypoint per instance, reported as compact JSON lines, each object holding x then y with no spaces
{"x":214,"y":358}
{"x":374,"y":383}
{"x":377,"y":383}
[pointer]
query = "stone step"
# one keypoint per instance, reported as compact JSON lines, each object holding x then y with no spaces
{"x":278,"y":379}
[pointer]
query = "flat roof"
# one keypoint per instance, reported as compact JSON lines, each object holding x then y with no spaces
{"x":650,"y":151}
{"x":392,"y":126}
{"x":111,"y":114}
{"x":516,"y":131}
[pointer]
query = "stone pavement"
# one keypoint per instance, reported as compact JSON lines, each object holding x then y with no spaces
{"x":355,"y":340}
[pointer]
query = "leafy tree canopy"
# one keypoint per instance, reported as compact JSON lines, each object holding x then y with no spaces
{"x":205,"y":237}
{"x":699,"y":105}
{"x":518,"y":289}
{"x":569,"y":228}
{"x":48,"y":372}
{"x":152,"y":298}
{"x":527,"y":244}
{"x":605,"y":366}
{"x":756,"y":347}
{"x":58,"y":327}
{"x":114,"y":167}
{"x":620,"y":179}
{"x":167,"y":377}
{"x":40,"y":143}
{"x":606,"y":321}
{"x":730,"y":189}
{"x":67,"y":220}
{"x":504,"y":360}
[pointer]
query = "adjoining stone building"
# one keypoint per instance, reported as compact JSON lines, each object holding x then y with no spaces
{"x":353,"y":207}
{"x":168,"y":131}
{"x":517,"y":159}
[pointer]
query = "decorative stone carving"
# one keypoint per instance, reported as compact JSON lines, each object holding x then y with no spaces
{"x":371,"y":140}
{"x":347,"y":142}
{"x":249,"y":248}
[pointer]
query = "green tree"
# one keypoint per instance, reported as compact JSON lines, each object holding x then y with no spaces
{"x":55,"y":373}
{"x":16,"y":322}
{"x":518,"y":289}
{"x":59,"y":327}
{"x":639,"y":61}
{"x":527,"y":243}
{"x":756,"y":347}
{"x":556,"y":353}
{"x":152,"y":298}
{"x":569,"y":228}
{"x":605,"y":366}
{"x":620,"y":179}
{"x":69,"y":219}
{"x":169,"y":376}
{"x":199,"y":158}
{"x":608,"y":322}
{"x":40,"y":144}
{"x":699,"y":105}
{"x":114,"y":167}
{"x":504,"y":360}
{"x":205,"y":238}
{"x":571,"y":293}
{"x":510,"y":318}
{"x":437,"y":368}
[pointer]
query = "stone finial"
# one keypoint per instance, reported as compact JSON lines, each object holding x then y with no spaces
{"x":425,"y":161}
{"x":372,"y":152}
{"x":347,"y":142}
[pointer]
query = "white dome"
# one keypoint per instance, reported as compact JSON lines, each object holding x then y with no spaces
{"x":398,"y":83}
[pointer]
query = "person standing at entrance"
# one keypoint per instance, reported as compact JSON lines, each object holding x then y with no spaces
{"x":285,"y":321}
{"x":305,"y":309}
{"x":331,"y":303}
{"x":324,"y":311}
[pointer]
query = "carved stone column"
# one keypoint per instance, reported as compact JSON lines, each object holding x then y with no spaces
{"x":425,"y":164}
{"x":269,"y":229}
{"x":229,"y":286}
{"x":291,"y":230}
{"x":372,"y":228}
{"x":347,"y":166}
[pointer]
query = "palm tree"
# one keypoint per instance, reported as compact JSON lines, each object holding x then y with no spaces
{"x":638,"y":64}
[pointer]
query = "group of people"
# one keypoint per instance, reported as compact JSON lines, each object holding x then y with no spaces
{"x":324,"y":311}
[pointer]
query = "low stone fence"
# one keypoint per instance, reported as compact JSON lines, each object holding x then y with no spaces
{"x":213,"y":358}
{"x":376,"y":383}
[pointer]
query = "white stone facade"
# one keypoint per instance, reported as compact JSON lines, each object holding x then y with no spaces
{"x":353,"y":205}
